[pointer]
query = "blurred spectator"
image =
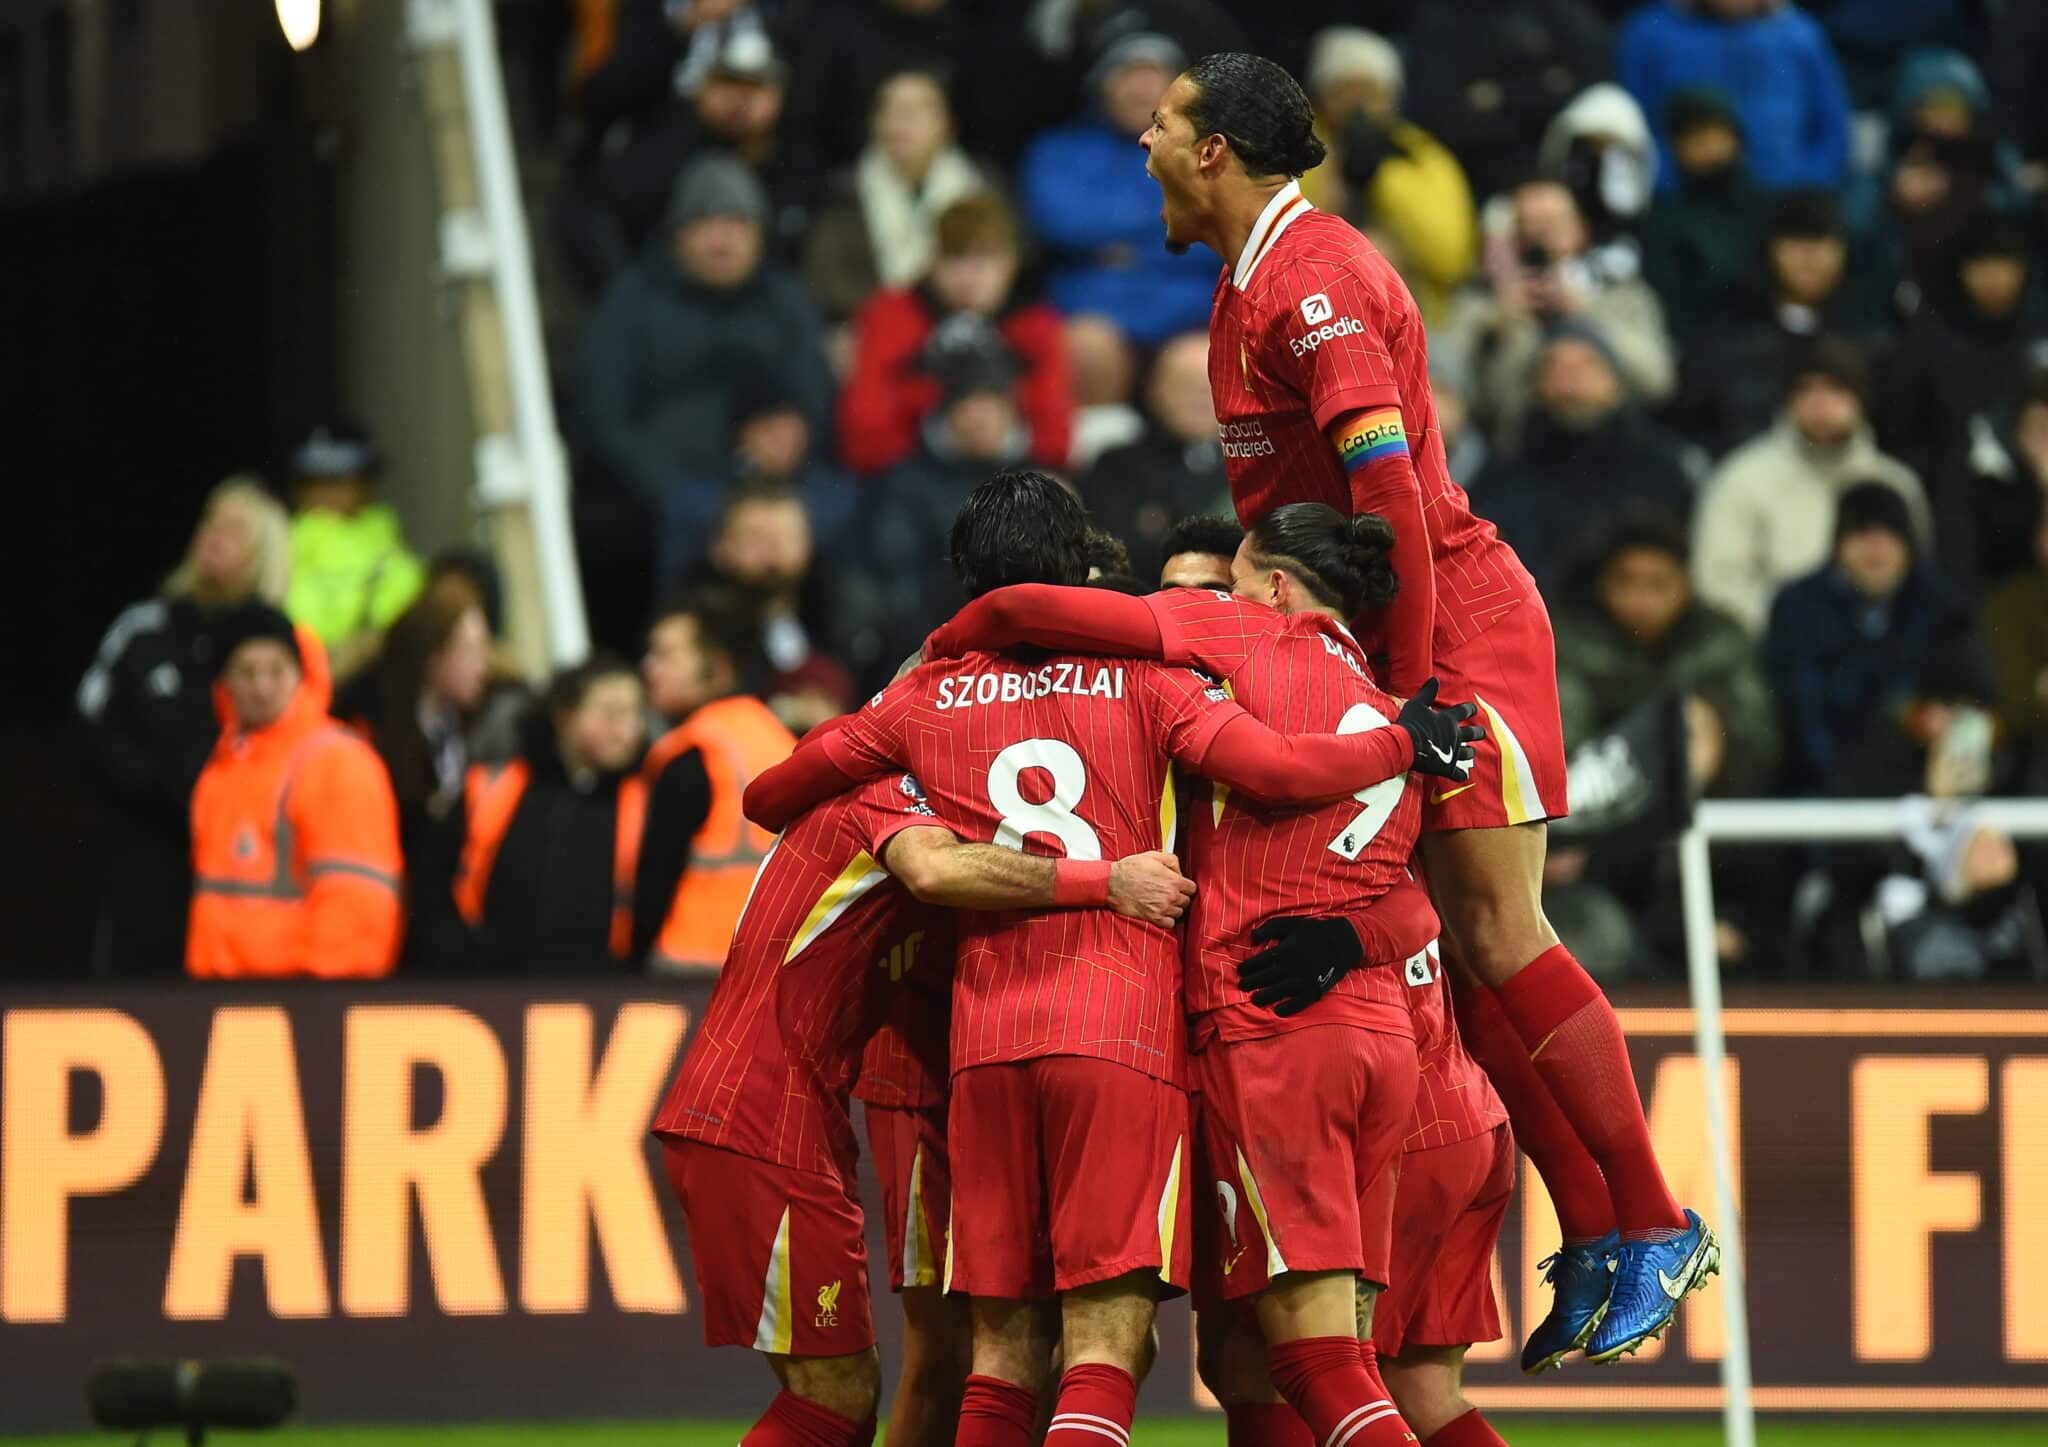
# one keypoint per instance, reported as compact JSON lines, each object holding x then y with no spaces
{"x":771,"y":446}
{"x":1064,"y":37}
{"x":680,"y":332}
{"x":493,"y":730}
{"x":1629,"y":629}
{"x":1768,"y":512}
{"x":656,"y":50}
{"x":1849,"y":645}
{"x":1586,"y":455}
{"x":551,"y":847}
{"x":1994,"y":493}
{"x":1599,"y":146}
{"x":1107,"y":556}
{"x":1136,"y":491}
{"x":974,"y":274}
{"x":846,"y":49}
{"x":2016,"y":627}
{"x":1771,"y":59}
{"x":1384,"y":174}
{"x":822,"y":629}
{"x":1197,"y":552}
{"x":1870,"y":37}
{"x":1734,"y":368}
{"x":734,"y":106}
{"x":1703,"y":241}
{"x":295,"y":854}
{"x":351,"y":572}
{"x":881,"y":226}
{"x":1465,"y":447}
{"x":1487,"y":76}
{"x":1883,"y":684}
{"x":976,"y":429}
{"x":699,"y":854}
{"x":1105,"y":373}
{"x":147,"y":706}
{"x":1946,"y":167}
{"x":1546,"y":271}
{"x":1098,"y":215}
{"x":1630,"y":626}
{"x":1970,"y":359}
{"x":415,"y":703}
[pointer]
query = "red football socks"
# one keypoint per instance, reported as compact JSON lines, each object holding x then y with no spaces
{"x":793,"y":1421}
{"x":1265,"y":1424}
{"x":995,"y":1413}
{"x":1334,"y":1383}
{"x":1577,"y":1189}
{"x":1096,"y":1401}
{"x":1576,"y":1044}
{"x":1470,"y":1430}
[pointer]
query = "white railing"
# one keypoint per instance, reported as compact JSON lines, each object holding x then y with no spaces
{"x":1760,"y":821}
{"x":528,"y":469}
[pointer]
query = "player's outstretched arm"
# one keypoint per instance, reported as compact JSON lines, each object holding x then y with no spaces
{"x":1374,"y":450}
{"x":940,"y":869}
{"x":819,"y":769}
{"x":1303,"y":958}
{"x":1316,"y":768}
{"x":1044,"y":615}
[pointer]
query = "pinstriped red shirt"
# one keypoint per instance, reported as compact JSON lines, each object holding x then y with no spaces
{"x":908,"y":1061}
{"x":1299,"y":674}
{"x":807,"y":980}
{"x":1312,"y":323}
{"x":1454,"y":1101}
{"x":1065,"y":755}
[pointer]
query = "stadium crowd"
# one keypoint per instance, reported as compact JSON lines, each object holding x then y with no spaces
{"x":1736,"y":333}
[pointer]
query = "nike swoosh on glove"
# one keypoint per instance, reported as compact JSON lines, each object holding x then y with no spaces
{"x":1301,"y":960}
{"x":1441,"y":738}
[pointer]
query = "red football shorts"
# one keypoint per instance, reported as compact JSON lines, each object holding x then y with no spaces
{"x":781,"y":1254}
{"x":1448,"y":1211}
{"x":1293,"y":1133}
{"x":908,"y":1146}
{"x":1518,"y":773}
{"x":1071,"y":1170}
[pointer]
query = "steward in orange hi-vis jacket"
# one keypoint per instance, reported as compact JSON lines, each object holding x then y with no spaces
{"x":294,"y":828}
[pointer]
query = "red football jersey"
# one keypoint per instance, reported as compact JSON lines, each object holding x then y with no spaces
{"x":1454,"y":1101}
{"x":908,"y":1061}
{"x":1311,"y":324}
{"x":806,"y":982}
{"x":1066,"y":755}
{"x":1252,"y":863}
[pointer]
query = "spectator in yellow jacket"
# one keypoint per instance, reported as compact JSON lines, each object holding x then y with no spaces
{"x":295,"y":856}
{"x":352,"y":573}
{"x":1385,"y":175}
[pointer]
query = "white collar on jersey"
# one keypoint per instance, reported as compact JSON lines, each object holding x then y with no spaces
{"x":1287,"y":206}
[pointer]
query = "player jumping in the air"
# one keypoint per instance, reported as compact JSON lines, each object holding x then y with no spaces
{"x":1068,"y":1118}
{"x":1319,"y":376}
{"x":755,"y":1127}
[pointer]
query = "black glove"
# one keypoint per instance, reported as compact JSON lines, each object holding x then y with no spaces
{"x":1443,"y":740}
{"x":1301,"y":960}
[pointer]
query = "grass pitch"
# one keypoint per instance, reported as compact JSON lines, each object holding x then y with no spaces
{"x":1902,"y":1431}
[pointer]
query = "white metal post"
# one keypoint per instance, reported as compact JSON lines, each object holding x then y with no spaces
{"x":533,"y":404}
{"x":1703,"y":966}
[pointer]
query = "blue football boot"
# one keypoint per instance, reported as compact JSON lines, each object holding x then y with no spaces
{"x":1650,"y":1279}
{"x":1581,"y":1277}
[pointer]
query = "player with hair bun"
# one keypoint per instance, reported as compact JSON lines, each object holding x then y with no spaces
{"x":1318,"y":371}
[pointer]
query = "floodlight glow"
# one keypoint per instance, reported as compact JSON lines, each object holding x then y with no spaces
{"x":300,"y":20}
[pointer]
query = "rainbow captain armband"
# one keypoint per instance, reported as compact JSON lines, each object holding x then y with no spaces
{"x":1364,"y":438}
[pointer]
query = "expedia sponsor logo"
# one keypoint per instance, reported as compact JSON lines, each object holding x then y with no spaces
{"x":1316,"y":309}
{"x":1308,"y":341}
{"x":1247,"y":439}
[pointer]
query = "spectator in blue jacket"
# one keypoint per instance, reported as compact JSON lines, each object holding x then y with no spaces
{"x":1097,"y":212}
{"x":1770,"y":59}
{"x":1850,"y":646}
